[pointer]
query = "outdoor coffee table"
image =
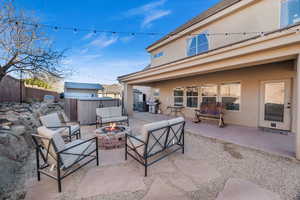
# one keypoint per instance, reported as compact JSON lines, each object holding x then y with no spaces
{"x":111,"y":137}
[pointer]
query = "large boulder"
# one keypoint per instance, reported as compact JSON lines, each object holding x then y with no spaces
{"x":17,"y":123}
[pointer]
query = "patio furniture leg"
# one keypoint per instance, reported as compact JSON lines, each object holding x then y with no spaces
{"x":97,"y":152}
{"x":183,"y":143}
{"x":221,"y":122}
{"x":146,"y":165}
{"x":58,"y":174}
{"x":38,"y":164}
{"x":125,"y":146}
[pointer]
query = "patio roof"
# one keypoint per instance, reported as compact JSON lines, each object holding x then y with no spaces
{"x":269,"y":47}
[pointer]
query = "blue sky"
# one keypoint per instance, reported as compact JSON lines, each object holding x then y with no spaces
{"x":100,"y":58}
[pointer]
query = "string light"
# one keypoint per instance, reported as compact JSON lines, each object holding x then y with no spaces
{"x":171,"y":35}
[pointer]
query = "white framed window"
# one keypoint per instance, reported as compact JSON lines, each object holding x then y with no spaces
{"x":290,"y":12}
{"x":197,"y":44}
{"x":157,"y":55}
{"x":230,"y":94}
{"x":192,"y":97}
{"x":209,"y":93}
{"x":178,"y":94}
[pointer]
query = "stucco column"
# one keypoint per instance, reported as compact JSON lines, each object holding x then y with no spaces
{"x":128,"y":98}
{"x":298,"y":109}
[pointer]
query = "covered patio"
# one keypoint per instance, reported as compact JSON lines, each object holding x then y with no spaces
{"x":282,"y":144}
{"x":252,"y":65}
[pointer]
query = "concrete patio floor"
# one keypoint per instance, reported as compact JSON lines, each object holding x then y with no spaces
{"x":276,"y":143}
{"x":210,"y":169}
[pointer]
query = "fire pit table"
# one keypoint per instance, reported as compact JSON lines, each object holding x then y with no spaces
{"x":112,"y":136}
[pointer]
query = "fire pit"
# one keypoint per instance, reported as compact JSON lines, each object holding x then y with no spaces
{"x":113,"y":129}
{"x":112,"y":136}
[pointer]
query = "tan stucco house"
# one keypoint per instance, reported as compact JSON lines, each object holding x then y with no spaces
{"x":243,"y":53}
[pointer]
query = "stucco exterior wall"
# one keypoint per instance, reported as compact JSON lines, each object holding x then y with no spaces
{"x":250,"y":79}
{"x":263,"y":15}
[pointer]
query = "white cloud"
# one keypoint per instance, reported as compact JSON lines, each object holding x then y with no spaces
{"x":103,"y":41}
{"x":126,"y":39}
{"x":150,"y":12}
{"x":88,"y":36}
{"x":84,"y":50}
{"x":157,"y":14}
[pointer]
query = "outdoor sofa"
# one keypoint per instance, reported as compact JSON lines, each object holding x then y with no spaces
{"x":66,"y":158}
{"x":157,"y":141}
{"x":108,"y":115}
{"x":58,"y":120}
{"x":210,"y":111}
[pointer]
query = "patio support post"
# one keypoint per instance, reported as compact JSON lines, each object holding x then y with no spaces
{"x":298,"y":108}
{"x":128,"y":99}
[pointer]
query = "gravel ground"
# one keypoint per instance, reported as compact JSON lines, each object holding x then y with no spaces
{"x":271,"y":172}
{"x":277,"y":174}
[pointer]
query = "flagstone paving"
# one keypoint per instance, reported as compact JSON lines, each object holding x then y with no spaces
{"x":209,"y":170}
{"x":109,"y":180}
{"x":161,"y":190}
{"x":237,"y":189}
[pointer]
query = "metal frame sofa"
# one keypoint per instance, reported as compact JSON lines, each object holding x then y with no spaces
{"x":60,"y":121}
{"x":108,"y":115}
{"x":65,"y":157}
{"x":158,"y":139}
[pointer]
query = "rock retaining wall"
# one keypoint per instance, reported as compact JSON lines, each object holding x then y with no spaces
{"x":17,"y":123}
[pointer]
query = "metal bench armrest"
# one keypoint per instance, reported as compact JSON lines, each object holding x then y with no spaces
{"x":131,"y":136}
{"x":85,"y":141}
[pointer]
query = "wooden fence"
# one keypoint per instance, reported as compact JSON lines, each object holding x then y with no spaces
{"x":10,"y":91}
{"x":84,"y":110}
{"x":38,"y":94}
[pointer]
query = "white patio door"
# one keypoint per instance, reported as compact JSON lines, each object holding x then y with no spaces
{"x":275,"y":105}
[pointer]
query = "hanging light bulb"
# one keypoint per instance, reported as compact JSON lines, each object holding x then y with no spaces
{"x":55,"y":28}
{"x":75,"y":30}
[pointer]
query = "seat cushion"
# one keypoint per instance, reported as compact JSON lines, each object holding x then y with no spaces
{"x":152,"y":126}
{"x":57,"y":139}
{"x":115,"y":111}
{"x":85,"y":148}
{"x":133,"y":143}
{"x":114,"y":119}
{"x":159,"y":133}
{"x":74,"y":129}
{"x":103,"y":112}
{"x":176,"y":126}
{"x":175,"y":120}
{"x":50,"y":120}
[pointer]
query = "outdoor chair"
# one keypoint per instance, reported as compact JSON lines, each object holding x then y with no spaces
{"x":157,"y":141}
{"x":210,"y":111}
{"x":59,"y":120}
{"x":108,"y":115}
{"x":65,"y":157}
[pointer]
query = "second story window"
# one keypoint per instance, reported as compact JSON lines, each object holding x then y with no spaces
{"x":197,"y":44}
{"x":290,"y":12}
{"x":157,"y":55}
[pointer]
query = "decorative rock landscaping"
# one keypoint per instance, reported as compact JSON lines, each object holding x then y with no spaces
{"x":17,"y":122}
